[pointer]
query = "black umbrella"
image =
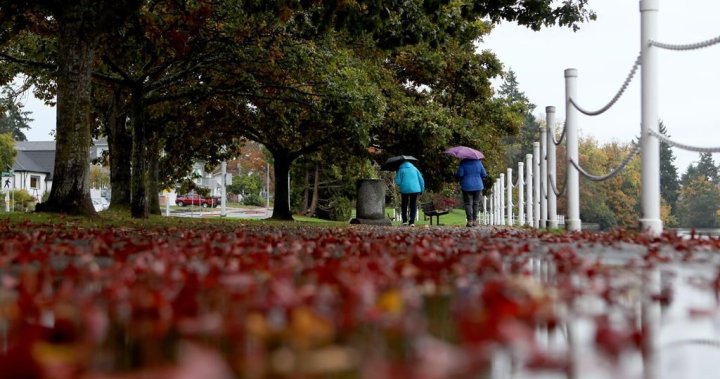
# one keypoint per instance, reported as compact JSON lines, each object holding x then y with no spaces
{"x":393,"y":163}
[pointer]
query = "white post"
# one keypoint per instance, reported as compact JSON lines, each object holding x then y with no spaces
{"x":501,"y":193}
{"x":167,"y":203}
{"x":529,"y":205}
{"x":492,"y":207}
{"x":552,"y":221}
{"x":650,"y":146}
{"x":223,"y":191}
{"x":521,"y":193}
{"x":485,"y":215}
{"x":509,"y":201}
{"x":543,"y":177}
{"x":536,"y":184}
{"x":572,"y":220}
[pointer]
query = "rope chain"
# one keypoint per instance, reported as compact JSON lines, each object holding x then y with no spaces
{"x":562,"y":135}
{"x":555,"y":190}
{"x":689,"y":46}
{"x":665,"y":139}
{"x":617,"y":95}
{"x":616,"y":171}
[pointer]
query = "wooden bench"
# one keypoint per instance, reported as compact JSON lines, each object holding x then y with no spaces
{"x":429,"y":211}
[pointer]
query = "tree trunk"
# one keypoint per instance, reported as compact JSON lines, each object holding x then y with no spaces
{"x":70,"y":191}
{"x":153,"y":192}
{"x":315,"y":194}
{"x":281,"y":205}
{"x":119,"y":144}
{"x":138,"y":182}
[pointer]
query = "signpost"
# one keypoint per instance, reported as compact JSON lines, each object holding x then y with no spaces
{"x":7,"y":188}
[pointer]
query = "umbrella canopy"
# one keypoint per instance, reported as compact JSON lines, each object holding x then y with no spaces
{"x":393,"y":163}
{"x":464,"y":152}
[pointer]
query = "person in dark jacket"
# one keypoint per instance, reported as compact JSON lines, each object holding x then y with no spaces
{"x":471,"y":173}
{"x":411,"y":184}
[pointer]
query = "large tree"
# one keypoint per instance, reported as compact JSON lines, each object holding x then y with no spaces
{"x":77,"y":27}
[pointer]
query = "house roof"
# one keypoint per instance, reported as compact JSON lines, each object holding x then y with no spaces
{"x":35,"y":156}
{"x":35,"y":146}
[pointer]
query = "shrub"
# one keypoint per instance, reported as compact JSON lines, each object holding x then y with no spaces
{"x":340,"y":208}
{"x":252,"y":199}
{"x":23,"y":201}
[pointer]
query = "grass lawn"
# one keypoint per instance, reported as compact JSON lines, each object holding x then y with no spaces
{"x":456,"y":217}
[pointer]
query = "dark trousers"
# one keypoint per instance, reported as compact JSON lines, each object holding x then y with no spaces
{"x":408,"y":200}
{"x":471,"y":199}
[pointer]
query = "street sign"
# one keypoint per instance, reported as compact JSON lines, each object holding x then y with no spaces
{"x":8,"y":174}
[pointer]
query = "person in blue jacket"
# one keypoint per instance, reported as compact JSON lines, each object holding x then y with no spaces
{"x":411,"y":184}
{"x":471,"y":173}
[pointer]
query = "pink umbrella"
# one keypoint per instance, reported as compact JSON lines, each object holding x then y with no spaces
{"x":465,"y":152}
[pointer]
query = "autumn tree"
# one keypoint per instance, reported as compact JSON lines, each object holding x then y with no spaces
{"x":613,"y":202}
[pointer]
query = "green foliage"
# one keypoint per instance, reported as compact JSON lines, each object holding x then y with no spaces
{"x":246,"y":184}
{"x":23,"y":201}
{"x":340,"y":208}
{"x":253,"y":199}
{"x":699,"y":197}
{"x":13,"y":119}
{"x":669,"y":182}
{"x":698,"y":203}
{"x":705,"y":167}
{"x":7,"y":152}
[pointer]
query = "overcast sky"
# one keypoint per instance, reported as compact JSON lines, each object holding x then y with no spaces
{"x":603,"y":52}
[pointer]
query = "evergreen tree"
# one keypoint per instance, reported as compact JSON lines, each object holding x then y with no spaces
{"x":705,"y":167}
{"x":699,"y":197}
{"x":517,"y":146}
{"x":13,"y":119}
{"x":669,"y":183}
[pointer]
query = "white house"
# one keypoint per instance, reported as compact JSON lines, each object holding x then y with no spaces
{"x":33,"y":168}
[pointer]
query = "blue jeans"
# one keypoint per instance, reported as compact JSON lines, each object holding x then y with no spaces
{"x":471,"y":200}
{"x":408,"y":200}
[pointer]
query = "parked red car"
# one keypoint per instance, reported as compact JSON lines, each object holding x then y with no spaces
{"x":195,"y":199}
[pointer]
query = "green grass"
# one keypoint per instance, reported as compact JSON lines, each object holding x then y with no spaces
{"x":119,"y":218}
{"x":456,"y":217}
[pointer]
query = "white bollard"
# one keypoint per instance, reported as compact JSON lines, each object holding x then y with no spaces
{"x":521,"y":193}
{"x":529,"y":205}
{"x":650,"y":146}
{"x":572,"y":220}
{"x":509,"y":202}
{"x":485,"y":215}
{"x":536,"y":184}
{"x":501,"y":193}
{"x":552,"y":221}
{"x":223,"y":192}
{"x":492,"y":207}
{"x":543,"y":176}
